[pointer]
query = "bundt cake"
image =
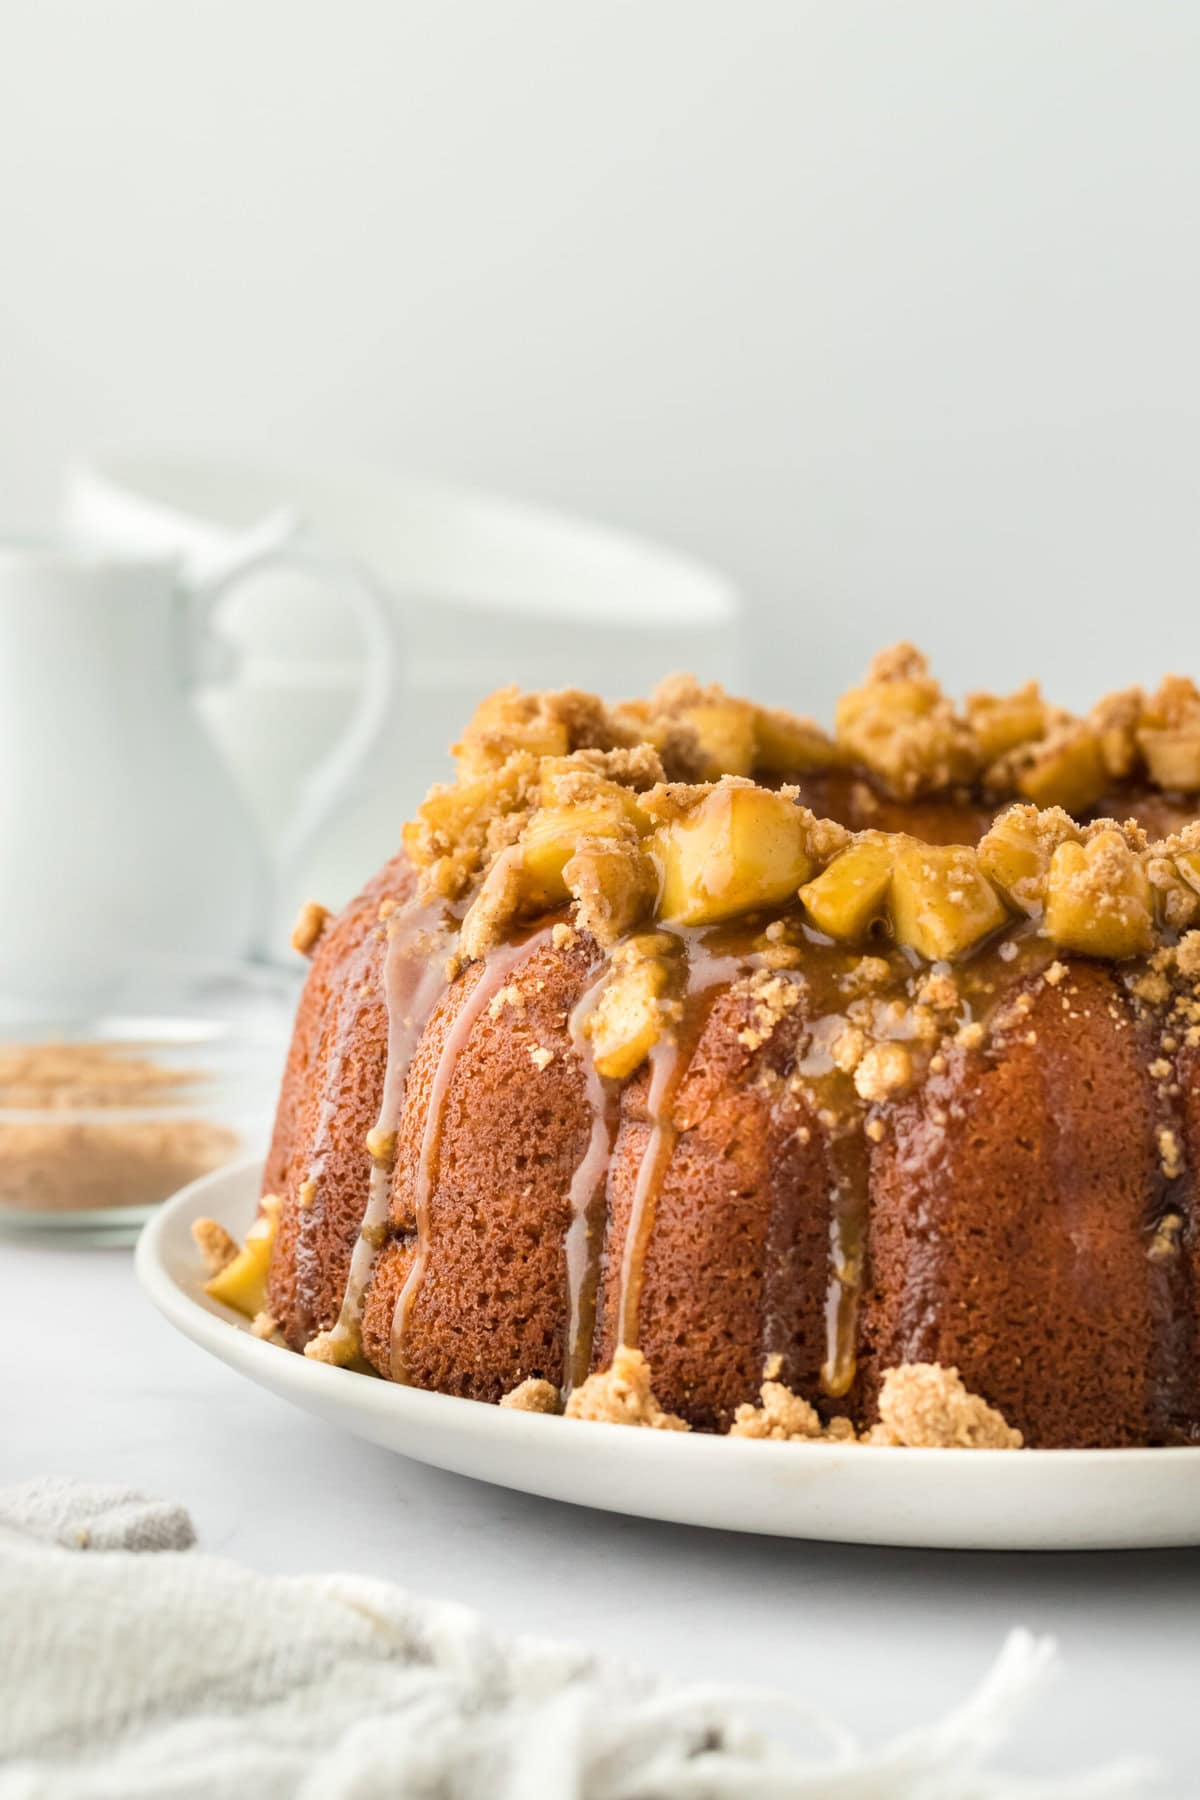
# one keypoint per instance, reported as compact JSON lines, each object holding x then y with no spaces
{"x":682,"y":1041}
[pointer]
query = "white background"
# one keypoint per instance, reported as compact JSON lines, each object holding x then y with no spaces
{"x":891,"y":310}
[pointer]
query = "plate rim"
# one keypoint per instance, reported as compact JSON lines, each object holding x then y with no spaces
{"x":206,"y":1323}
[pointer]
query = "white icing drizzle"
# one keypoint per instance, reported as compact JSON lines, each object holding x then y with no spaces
{"x":494,"y":973}
{"x":582,"y":1242}
{"x":414,"y":980}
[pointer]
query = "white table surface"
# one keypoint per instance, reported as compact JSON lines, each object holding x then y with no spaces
{"x":96,"y":1384}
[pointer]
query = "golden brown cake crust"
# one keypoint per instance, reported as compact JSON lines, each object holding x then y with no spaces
{"x":329,"y":1097}
{"x":941,"y":1136}
{"x":1008,"y":1229}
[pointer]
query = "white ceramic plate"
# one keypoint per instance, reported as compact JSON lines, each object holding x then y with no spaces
{"x":949,"y":1499}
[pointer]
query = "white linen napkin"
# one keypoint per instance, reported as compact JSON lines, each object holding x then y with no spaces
{"x":126,"y":1675}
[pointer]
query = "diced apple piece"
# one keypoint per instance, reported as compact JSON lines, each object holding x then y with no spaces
{"x":942,"y":903}
{"x":614,"y":884}
{"x":242,"y":1283}
{"x":1169,"y":738}
{"x":1188,"y":864}
{"x":742,"y":847}
{"x":787,"y":745}
{"x":1016,"y":853}
{"x":1115,"y":720}
{"x":901,"y":727}
{"x":726,"y":732}
{"x":508,"y":721}
{"x":848,"y":897}
{"x":1172,"y":757}
{"x":875,"y":725}
{"x":448,"y":838}
{"x":898,"y":696}
{"x":447,"y":814}
{"x":629,"y":1019}
{"x":501,"y":898}
{"x":1098,"y":899}
{"x":550,"y":840}
{"x":644,"y":725}
{"x":1001,"y":724}
{"x":1174,"y":888}
{"x":548,"y":843}
{"x":1069,"y":771}
{"x":563,"y":786}
{"x":1175,"y":705}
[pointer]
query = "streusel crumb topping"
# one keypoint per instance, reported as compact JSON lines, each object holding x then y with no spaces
{"x":926,"y":1406}
{"x":622,"y":1395}
{"x":215,"y":1244}
{"x":787,"y":1418}
{"x":533,"y":1395}
{"x":309,"y":926}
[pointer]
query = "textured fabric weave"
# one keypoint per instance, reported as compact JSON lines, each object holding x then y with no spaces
{"x":131,"y":1666}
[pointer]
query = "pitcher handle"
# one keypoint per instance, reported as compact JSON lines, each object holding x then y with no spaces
{"x":284,"y":541}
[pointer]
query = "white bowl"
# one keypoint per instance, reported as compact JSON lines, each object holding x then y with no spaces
{"x":948,"y":1499}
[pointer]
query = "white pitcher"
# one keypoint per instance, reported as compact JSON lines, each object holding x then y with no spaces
{"x":486,"y":590}
{"x":121,"y":827}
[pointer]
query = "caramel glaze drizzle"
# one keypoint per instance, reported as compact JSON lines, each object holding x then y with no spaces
{"x":836,"y":1114}
{"x":669,"y":1061}
{"x":494,"y":973}
{"x":848,"y":1162}
{"x":838,"y":1117}
{"x":985,"y":981}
